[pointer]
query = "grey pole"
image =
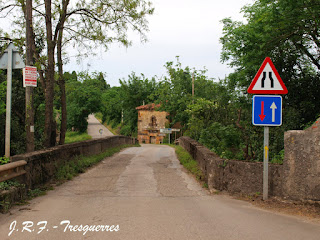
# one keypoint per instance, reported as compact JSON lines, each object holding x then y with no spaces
{"x":8,"y":110}
{"x":265,"y":162}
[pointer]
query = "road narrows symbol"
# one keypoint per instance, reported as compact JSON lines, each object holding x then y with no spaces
{"x":264,"y":74}
{"x":267,"y":80}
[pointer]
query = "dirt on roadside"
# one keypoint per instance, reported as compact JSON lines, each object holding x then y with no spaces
{"x":309,"y":210}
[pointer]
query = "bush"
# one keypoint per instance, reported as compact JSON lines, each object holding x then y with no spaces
{"x":126,"y":130}
{"x":4,"y":160}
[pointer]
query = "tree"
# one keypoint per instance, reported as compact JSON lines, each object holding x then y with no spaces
{"x":83,"y":98}
{"x":288,"y":32}
{"x":135,"y":91}
{"x":86,"y":24}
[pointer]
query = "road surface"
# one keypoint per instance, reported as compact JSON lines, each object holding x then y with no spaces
{"x":146,"y":194}
{"x":94,"y":128}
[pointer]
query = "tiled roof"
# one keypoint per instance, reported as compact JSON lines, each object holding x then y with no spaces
{"x":150,"y":106}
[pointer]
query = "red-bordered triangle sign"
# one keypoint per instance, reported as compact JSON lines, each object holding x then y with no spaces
{"x":267,"y":80}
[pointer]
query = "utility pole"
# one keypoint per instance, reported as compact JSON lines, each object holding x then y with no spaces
{"x":8,"y":104}
{"x":193,"y":88}
{"x":122,"y":116}
{"x":29,"y":124}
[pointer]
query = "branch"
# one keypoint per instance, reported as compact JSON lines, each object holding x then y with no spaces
{"x":8,"y":6}
{"x":8,"y":12}
{"x":311,"y":57}
{"x":62,"y":19}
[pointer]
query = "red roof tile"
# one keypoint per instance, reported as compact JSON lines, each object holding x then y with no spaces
{"x":151,"y":106}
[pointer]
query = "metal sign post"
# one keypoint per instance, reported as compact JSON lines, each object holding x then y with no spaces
{"x":267,"y":109}
{"x":9,"y":60}
{"x":8,"y":109}
{"x":266,"y":163}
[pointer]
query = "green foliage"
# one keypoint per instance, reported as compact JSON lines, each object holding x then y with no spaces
{"x":81,"y":163}
{"x":3,"y":90}
{"x":188,"y":162}
{"x":17,"y":113}
{"x":126,"y":131}
{"x":72,"y":137}
{"x":131,"y":94}
{"x":83,"y":98}
{"x":223,"y":140}
{"x":36,"y":193}
{"x":7,"y":185}
{"x":4,"y":160}
{"x":175,"y":93}
{"x":287,"y":31}
{"x":99,"y":116}
{"x":278,"y":159}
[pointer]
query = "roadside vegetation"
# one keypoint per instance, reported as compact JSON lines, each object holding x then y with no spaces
{"x":115,"y":131}
{"x":188,"y":162}
{"x":72,"y":137}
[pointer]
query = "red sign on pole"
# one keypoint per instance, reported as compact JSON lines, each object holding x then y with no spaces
{"x":30,"y":76}
{"x":267,"y":80}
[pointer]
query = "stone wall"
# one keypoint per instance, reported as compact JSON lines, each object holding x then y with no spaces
{"x":297,"y":179}
{"x":301,"y":166}
{"x":231,"y":175}
{"x":42,"y":165}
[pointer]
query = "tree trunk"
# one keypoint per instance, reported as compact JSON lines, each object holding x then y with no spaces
{"x":29,"y":119}
{"x":49,"y":91}
{"x":60,"y":26}
{"x":63,"y":127}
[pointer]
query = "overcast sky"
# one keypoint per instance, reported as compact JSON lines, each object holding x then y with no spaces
{"x":187,"y":28}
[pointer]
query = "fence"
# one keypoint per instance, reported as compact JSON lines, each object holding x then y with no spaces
{"x":12,"y":170}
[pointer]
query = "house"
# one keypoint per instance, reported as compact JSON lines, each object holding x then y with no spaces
{"x":149,"y":123}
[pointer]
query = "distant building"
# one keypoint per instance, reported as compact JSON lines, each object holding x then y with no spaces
{"x":149,"y":123}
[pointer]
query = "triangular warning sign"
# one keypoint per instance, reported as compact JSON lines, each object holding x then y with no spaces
{"x":267,"y":80}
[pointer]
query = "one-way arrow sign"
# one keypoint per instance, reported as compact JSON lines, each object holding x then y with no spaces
{"x":267,"y":110}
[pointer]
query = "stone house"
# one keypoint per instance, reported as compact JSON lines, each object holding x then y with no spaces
{"x":149,"y":123}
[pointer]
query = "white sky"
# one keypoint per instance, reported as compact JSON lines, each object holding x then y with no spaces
{"x":187,"y":28}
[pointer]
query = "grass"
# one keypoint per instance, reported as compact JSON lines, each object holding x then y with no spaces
{"x":72,"y":137}
{"x":81,"y":163}
{"x":189,"y":163}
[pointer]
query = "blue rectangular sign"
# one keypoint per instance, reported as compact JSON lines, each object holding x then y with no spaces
{"x":267,"y":110}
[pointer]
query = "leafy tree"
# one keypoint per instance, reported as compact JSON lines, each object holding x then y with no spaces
{"x":112,"y":105}
{"x":134,"y":92}
{"x":175,"y":93}
{"x":87,"y":24}
{"x":83,"y":98}
{"x":288,"y":32}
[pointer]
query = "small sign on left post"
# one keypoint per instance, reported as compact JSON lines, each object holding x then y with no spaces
{"x":30,"y":76}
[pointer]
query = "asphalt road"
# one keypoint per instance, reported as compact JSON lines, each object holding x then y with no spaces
{"x":146,"y":194}
{"x":96,"y":129}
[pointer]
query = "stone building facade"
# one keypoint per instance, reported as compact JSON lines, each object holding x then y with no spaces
{"x":149,"y":123}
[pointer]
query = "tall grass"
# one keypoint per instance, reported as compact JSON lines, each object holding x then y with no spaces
{"x":72,"y":137}
{"x":188,"y":162}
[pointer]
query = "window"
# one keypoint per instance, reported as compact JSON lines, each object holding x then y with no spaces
{"x":153,"y":121}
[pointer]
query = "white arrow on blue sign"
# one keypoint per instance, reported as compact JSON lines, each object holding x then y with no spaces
{"x":267,"y":110}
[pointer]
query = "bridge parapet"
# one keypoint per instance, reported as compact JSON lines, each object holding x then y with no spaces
{"x":41,"y":166}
